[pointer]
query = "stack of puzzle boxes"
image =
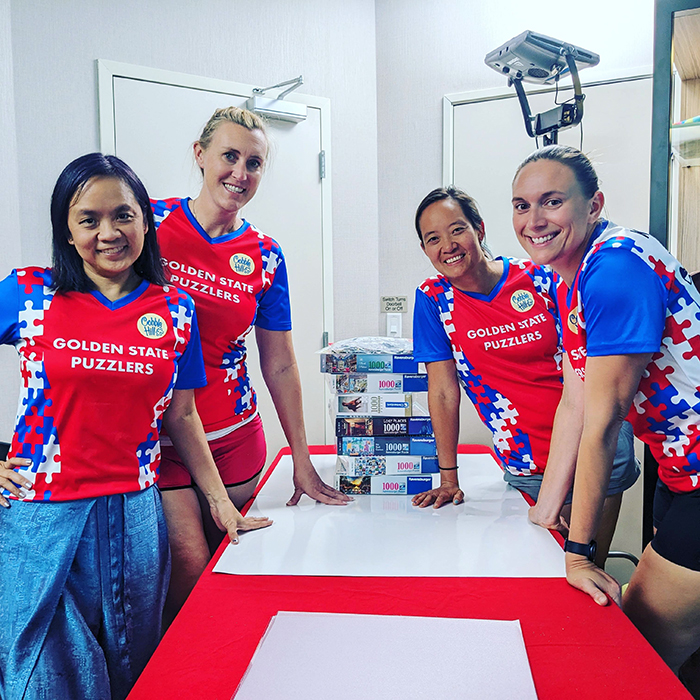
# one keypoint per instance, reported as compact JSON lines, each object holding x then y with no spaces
{"x":385,"y":438}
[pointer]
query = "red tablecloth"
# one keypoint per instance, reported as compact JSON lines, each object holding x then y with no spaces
{"x":576,"y":648}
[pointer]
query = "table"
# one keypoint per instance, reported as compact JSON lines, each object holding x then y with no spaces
{"x":576,"y":648}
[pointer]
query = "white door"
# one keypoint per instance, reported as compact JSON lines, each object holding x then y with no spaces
{"x":155,"y":119}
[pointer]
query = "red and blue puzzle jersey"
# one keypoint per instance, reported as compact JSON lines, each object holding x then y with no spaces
{"x":96,"y":378}
{"x":238,"y":281}
{"x":630,"y":296}
{"x":507,"y":352}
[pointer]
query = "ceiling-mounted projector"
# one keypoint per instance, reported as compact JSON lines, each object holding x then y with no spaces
{"x":536,"y":58}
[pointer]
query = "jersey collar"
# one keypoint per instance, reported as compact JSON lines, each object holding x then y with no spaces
{"x":123,"y":301}
{"x":600,"y":226}
{"x":198,"y":227}
{"x":494,"y":292}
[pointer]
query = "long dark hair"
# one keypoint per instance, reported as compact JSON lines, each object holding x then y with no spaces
{"x":68,"y":271}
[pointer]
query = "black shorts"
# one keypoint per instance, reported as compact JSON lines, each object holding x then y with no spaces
{"x":677,"y":523}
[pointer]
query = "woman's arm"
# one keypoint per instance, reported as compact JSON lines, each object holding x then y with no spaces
{"x":187,"y":434}
{"x":611,"y":383}
{"x":279,"y":368}
{"x":443,"y":401}
{"x":563,"y":449}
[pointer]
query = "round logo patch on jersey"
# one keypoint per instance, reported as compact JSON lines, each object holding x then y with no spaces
{"x":152,"y":326}
{"x":522,"y":300}
{"x":242,"y":264}
{"x":572,"y":320}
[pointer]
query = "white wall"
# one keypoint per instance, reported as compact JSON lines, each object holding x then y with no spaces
{"x":427,"y":50}
{"x":48,"y":82}
{"x":331,"y":42}
{"x":10,"y":241}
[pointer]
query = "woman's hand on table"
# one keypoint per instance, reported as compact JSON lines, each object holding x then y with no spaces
{"x":587,"y":577}
{"x":12,"y":481}
{"x":550,"y":521}
{"x":307,"y":481}
{"x":439,"y":496}
{"x":279,"y":368}
{"x":227,"y":518}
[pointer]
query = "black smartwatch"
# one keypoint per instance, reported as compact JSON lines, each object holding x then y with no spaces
{"x":585,"y":550}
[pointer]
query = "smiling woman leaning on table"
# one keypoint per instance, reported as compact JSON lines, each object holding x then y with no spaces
{"x":237,"y":276}
{"x":631,"y":330}
{"x":492,"y":325}
{"x":108,"y":351}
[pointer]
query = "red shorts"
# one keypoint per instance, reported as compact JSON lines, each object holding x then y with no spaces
{"x":239,"y":456}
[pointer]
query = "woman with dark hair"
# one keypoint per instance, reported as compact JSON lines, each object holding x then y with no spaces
{"x":237,"y":276}
{"x":108,"y":353}
{"x":492,"y":325}
{"x":68,"y":270}
{"x":631,"y":335}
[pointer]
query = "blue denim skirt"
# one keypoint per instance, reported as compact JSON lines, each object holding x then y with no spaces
{"x":83,"y":585}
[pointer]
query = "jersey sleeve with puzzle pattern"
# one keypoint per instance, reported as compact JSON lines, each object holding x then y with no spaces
{"x":665,"y":411}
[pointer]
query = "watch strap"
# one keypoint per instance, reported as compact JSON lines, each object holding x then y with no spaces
{"x":584,"y":550}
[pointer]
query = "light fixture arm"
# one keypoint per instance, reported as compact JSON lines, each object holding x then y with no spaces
{"x":524,"y":104}
{"x":547,"y":124}
{"x":578,"y":93}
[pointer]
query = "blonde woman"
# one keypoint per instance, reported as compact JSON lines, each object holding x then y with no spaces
{"x":238,"y":279}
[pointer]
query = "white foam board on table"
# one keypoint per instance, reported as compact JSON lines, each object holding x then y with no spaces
{"x":314,"y":656}
{"x":487,"y":535}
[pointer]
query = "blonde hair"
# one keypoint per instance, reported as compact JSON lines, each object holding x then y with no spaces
{"x":243,"y":117}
